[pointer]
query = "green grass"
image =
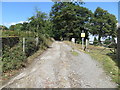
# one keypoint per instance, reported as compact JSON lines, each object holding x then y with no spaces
{"x":74,"y":53}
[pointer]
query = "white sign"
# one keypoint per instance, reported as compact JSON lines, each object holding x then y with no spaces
{"x":82,"y":34}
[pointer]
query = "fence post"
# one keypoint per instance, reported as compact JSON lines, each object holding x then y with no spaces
{"x":86,"y":43}
{"x":23,"y":44}
{"x":37,"y":41}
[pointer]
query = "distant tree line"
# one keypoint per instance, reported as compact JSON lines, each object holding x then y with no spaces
{"x":2,"y":27}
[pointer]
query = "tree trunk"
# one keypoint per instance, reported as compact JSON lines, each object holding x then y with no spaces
{"x":99,"y":40}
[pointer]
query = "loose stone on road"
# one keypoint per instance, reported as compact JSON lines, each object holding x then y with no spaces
{"x":58,"y":68}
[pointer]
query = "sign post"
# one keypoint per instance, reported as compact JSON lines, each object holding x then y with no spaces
{"x":83,"y":35}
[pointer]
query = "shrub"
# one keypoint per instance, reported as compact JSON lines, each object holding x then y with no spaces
{"x":30,"y":46}
{"x":13,"y":58}
{"x":9,"y":41}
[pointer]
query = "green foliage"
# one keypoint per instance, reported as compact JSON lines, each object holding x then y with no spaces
{"x":30,"y":46}
{"x":37,"y":22}
{"x":69,"y":19}
{"x":3,"y":27}
{"x":38,"y":26}
{"x":49,"y":28}
{"x":12,"y":27}
{"x":18,"y":27}
{"x":95,"y":41}
{"x":10,"y":33}
{"x":103,"y":24}
{"x":25,"y":26}
{"x":108,"y":41}
{"x":13,"y":58}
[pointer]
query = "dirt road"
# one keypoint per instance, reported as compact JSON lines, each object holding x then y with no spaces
{"x":59,"y":68}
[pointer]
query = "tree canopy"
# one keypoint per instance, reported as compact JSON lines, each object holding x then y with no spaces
{"x":69,"y":19}
{"x":103,"y":24}
{"x":2,"y":27}
{"x":37,"y":22}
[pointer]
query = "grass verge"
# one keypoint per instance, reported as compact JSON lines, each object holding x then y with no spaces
{"x":74,"y":53}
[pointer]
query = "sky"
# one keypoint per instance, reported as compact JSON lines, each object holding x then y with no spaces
{"x":17,"y":12}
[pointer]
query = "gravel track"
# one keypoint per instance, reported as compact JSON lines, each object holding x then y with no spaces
{"x":58,"y":68}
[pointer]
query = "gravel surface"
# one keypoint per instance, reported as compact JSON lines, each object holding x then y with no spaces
{"x":58,"y":68}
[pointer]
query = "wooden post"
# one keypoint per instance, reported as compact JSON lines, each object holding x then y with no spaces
{"x":23,"y":45}
{"x":86,"y":43}
{"x":83,"y":36}
{"x":37,"y":41}
{"x":83,"y":43}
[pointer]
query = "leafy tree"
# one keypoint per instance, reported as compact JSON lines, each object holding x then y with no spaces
{"x":18,"y":27}
{"x":103,"y":24}
{"x":49,"y":28}
{"x":37,"y":22}
{"x":12,"y":27}
{"x":2,"y":27}
{"x":24,"y":26}
{"x":112,"y":22}
{"x":69,"y":19}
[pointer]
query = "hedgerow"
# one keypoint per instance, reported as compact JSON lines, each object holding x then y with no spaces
{"x":13,"y":56}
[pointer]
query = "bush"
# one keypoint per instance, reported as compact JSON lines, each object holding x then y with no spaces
{"x":13,"y":58}
{"x":30,"y":46}
{"x":9,"y":41}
